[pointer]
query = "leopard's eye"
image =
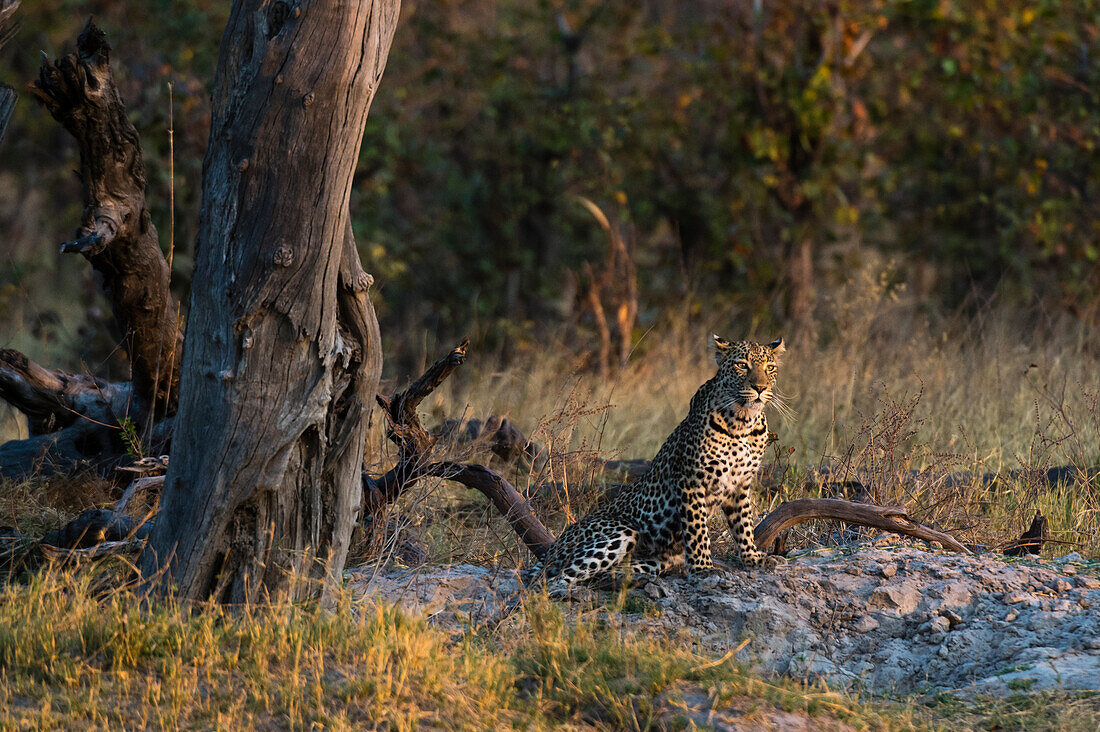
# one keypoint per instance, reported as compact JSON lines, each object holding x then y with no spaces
{"x":741,"y":365}
{"x":771,"y":368}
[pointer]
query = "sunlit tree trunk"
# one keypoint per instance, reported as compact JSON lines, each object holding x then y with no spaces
{"x":282,"y":357}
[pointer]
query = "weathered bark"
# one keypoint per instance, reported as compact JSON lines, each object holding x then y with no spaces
{"x":116,"y":234}
{"x":888,"y":518}
{"x":75,"y":420}
{"x":81,"y":445}
{"x":54,"y":399}
{"x":95,"y":526}
{"x":282,"y":356}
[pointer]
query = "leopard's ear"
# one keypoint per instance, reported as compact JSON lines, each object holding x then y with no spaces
{"x":721,"y":348}
{"x":777,"y":348}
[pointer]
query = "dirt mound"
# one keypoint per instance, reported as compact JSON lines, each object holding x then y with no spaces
{"x":888,"y":617}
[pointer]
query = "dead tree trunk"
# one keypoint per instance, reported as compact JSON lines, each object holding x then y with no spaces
{"x":282,"y":356}
{"x":116,"y":233}
{"x":77,"y":417}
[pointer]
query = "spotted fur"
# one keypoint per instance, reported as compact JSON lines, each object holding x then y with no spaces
{"x":709,"y":460}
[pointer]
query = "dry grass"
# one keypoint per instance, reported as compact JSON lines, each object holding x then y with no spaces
{"x":881,"y":392}
{"x":76,"y":656}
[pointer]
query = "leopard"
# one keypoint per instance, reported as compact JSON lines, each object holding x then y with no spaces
{"x":658,"y":524}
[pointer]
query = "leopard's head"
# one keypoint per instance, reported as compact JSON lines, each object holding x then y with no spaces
{"x":746,"y":375}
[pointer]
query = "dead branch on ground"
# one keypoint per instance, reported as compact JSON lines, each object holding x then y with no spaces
{"x":415,"y":445}
{"x":894,"y":519}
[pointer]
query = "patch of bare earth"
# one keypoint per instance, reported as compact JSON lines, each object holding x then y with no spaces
{"x":887,"y":617}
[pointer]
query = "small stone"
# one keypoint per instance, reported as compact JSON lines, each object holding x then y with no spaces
{"x":905,"y":599}
{"x":1012,"y":615}
{"x":710,"y":581}
{"x":866,"y":624}
{"x":1072,"y":557}
{"x":1088,"y":582}
{"x":654,"y":591}
{"x":952,"y":617}
{"x":1069,"y":570}
{"x":889,"y":570}
{"x":1061,"y":585}
{"x":939,"y":625}
{"x":1014,"y":598}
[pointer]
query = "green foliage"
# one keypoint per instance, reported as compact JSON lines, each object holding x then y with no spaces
{"x":130,"y":436}
{"x":959,"y":137}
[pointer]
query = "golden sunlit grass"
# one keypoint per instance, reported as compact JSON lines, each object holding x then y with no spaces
{"x":74,"y":655}
{"x":882,"y":393}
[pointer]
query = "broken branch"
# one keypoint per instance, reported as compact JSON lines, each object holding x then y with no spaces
{"x":415,"y":445}
{"x":116,"y":233}
{"x":894,"y":519}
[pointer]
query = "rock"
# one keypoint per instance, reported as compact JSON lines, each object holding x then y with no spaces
{"x":1015,"y":598}
{"x":866,"y":624}
{"x":902,"y":598}
{"x":1072,"y":557}
{"x":1012,"y":615}
{"x":953,"y":618}
{"x":889,"y":570}
{"x":939,"y":625}
{"x":654,"y":591}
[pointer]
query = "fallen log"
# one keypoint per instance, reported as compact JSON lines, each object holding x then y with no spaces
{"x":54,"y":399}
{"x":95,"y":526}
{"x":894,"y":519}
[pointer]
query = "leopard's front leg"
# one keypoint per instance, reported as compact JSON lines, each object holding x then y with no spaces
{"x":693,"y":507}
{"x":739,"y":514}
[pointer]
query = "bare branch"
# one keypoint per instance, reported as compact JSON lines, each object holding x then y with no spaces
{"x":415,"y":446}
{"x":888,"y":518}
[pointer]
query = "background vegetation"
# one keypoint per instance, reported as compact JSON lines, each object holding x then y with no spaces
{"x":753,"y":154}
